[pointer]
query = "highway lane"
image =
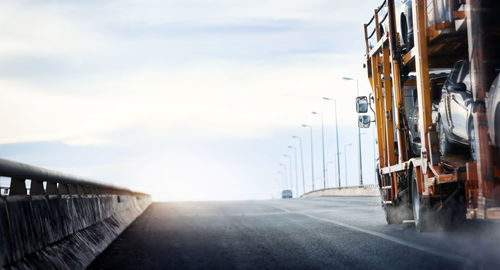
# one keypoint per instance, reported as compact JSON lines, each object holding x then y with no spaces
{"x":313,"y":233}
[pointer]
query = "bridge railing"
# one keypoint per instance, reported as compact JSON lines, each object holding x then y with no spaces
{"x":28,"y":180}
{"x":348,"y":189}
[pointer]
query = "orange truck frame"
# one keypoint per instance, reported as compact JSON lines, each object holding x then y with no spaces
{"x":431,"y":189}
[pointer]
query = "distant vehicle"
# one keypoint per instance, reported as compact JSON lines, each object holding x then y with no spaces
{"x":455,"y":124}
{"x":286,"y":194}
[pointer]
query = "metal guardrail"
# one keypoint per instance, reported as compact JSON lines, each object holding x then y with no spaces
{"x":375,"y":17}
{"x":350,"y":187}
{"x":50,"y":182}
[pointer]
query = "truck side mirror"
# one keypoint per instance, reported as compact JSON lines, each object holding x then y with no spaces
{"x":364,"y":121}
{"x":362,"y":104}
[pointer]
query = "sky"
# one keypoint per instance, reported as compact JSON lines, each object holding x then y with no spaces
{"x":186,"y":100}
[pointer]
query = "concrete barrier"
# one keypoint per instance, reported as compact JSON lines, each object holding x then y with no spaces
{"x":62,"y":232}
{"x":368,"y":190}
{"x":61,"y":221}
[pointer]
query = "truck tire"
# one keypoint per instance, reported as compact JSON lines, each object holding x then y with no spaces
{"x":392,"y":215}
{"x":454,"y":213}
{"x":421,"y":208}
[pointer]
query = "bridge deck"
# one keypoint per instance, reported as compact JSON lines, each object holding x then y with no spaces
{"x":317,"y":233}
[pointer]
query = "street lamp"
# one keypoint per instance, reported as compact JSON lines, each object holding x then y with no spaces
{"x":323,"y":146}
{"x":345,"y":162}
{"x":284,"y":174}
{"x":312,"y":154}
{"x":359,"y":134}
{"x":296,"y":174}
{"x":336,"y":136}
{"x":302,"y":162}
{"x":328,"y":163}
{"x":283,"y":181}
{"x":290,"y":167}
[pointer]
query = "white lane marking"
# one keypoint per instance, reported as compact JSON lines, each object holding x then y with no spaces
{"x":425,"y":249}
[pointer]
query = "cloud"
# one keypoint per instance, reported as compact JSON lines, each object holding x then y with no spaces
{"x":80,"y":71}
{"x":213,"y":102}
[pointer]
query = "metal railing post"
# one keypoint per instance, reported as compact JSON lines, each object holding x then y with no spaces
{"x":17,"y":186}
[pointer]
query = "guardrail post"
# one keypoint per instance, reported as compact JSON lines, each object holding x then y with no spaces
{"x":73,"y":189}
{"x":63,"y":188}
{"x":36,"y":187}
{"x":17,"y":186}
{"x":79,"y":189}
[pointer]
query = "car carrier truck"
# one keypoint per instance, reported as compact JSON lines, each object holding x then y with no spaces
{"x":454,"y":173}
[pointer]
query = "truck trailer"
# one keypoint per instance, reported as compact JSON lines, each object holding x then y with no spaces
{"x":433,"y":67}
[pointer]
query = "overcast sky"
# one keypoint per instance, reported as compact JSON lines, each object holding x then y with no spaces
{"x":187,"y":100}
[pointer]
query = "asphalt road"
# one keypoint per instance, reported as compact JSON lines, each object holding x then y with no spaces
{"x":314,"y":233}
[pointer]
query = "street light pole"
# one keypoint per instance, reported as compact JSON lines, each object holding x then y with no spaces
{"x":345,"y":161}
{"x":284,"y":174}
{"x":332,"y":171}
{"x":283,"y":181}
{"x":336,"y":137}
{"x":359,"y":135}
{"x":312,"y":154}
{"x":290,"y":167}
{"x":302,"y":162}
{"x":323,"y":147}
{"x":296,"y":174}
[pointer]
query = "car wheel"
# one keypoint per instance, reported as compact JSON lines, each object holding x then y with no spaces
{"x":444,"y":144}
{"x":415,"y":149}
{"x":472,"y":141}
{"x":497,"y":134}
{"x":404,"y":31}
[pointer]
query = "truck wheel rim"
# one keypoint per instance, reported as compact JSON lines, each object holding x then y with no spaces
{"x":416,"y":201}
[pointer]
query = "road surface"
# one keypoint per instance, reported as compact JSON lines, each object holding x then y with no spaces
{"x":313,"y":233}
